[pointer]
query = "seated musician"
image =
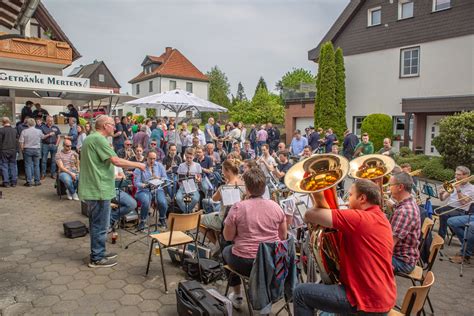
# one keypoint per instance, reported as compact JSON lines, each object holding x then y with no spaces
{"x":207,"y":166}
{"x":266,"y":161}
{"x":458,"y":201}
{"x":365,"y":147}
{"x":367,"y":283}
{"x":160,"y":154}
{"x":171,"y":163}
{"x":220,"y":149}
{"x":236,"y":149}
{"x":307,"y":152}
{"x":145,"y":195}
{"x":192,"y":170}
{"x":139,"y":157}
{"x":230,"y":169}
{"x":249,"y":164}
{"x":406,"y":226}
{"x":126,"y":152}
{"x":249,"y":223}
{"x":282,"y":167}
{"x":67,"y":161}
{"x":248,"y":151}
{"x":126,"y":203}
{"x":214,"y":155}
{"x":280,"y":147}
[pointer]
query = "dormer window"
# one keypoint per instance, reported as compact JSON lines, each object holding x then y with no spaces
{"x":147,"y":69}
{"x":374,"y":16}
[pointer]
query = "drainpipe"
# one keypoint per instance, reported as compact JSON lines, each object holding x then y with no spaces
{"x":26,"y":15}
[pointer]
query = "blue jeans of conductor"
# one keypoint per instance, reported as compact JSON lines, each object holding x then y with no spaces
{"x":32,"y":164}
{"x":145,"y":198}
{"x":99,"y":218}
{"x":45,"y":150}
{"x":71,"y":185}
{"x":180,"y":200}
{"x":309,"y":297}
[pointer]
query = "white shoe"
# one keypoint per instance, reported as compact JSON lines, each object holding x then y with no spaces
{"x":69,"y":196}
{"x":237,"y":300}
{"x":75,"y":197}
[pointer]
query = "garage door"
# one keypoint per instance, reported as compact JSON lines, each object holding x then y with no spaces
{"x":304,"y":122}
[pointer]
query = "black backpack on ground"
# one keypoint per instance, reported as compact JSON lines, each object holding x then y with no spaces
{"x":192,"y":299}
{"x":211,"y":270}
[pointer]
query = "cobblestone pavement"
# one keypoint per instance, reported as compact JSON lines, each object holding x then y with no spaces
{"x":42,"y":272}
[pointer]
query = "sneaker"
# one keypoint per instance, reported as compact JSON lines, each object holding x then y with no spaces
{"x":13,"y":185}
{"x":27,"y":184}
{"x":142,"y":226}
{"x":459,"y":259}
{"x":69,"y":196}
{"x":163,"y":223}
{"x":237,"y":300}
{"x":37,"y":184}
{"x":103,"y":263}
{"x":6,"y":185}
{"x":111,"y":255}
{"x":75,"y":197}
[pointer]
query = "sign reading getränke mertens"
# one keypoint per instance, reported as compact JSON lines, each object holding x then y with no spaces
{"x":41,"y":81}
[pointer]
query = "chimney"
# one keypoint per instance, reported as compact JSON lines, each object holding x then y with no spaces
{"x":168,"y":50}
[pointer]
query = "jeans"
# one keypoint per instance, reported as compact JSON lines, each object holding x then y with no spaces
{"x":9,"y":167}
{"x":99,"y":218}
{"x":145,"y":198}
{"x":45,"y":150}
{"x":180,"y":200}
{"x":443,"y":219}
{"x":32,"y":164}
{"x":71,"y":185}
{"x":126,"y":205}
{"x":328,"y":298}
{"x":210,"y":206}
{"x":457,"y":224}
{"x":241,"y":265}
{"x":401,"y":266}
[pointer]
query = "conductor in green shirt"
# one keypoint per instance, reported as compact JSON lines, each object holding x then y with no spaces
{"x":365,"y":147}
{"x":97,"y":187}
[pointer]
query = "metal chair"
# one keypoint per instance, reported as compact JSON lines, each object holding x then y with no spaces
{"x":178,"y":225}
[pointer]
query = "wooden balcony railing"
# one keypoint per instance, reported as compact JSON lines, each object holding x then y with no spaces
{"x":36,"y":49}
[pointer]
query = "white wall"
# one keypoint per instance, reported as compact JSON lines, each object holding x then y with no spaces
{"x":161,"y":84}
{"x":373,"y":84}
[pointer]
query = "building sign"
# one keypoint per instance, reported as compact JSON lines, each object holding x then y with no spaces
{"x":22,"y":80}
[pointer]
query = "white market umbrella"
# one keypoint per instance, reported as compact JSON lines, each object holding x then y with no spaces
{"x":176,"y":101}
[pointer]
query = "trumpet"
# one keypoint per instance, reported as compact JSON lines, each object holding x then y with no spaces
{"x":448,"y":186}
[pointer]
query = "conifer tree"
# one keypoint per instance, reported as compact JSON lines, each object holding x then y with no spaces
{"x":341,"y":125}
{"x":261,"y":84}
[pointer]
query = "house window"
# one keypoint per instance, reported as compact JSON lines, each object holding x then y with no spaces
{"x":439,"y":5}
{"x":189,"y":87}
{"x":150,"y":86}
{"x":357,"y":125}
{"x":137,"y":89}
{"x":374,"y":16}
{"x":398,"y":127}
{"x":137,"y":110}
{"x":410,"y":62}
{"x":101,"y":78}
{"x":405,"y":9}
{"x":172,"y":84}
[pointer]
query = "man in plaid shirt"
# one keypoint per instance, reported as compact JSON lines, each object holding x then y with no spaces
{"x":406,"y":227}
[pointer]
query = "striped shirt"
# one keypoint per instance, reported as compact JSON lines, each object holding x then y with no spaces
{"x":407,"y":228}
{"x":70,"y":159}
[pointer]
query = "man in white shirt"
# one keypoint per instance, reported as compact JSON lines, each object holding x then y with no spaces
{"x":190,"y":170}
{"x":266,"y":162}
{"x":30,"y":145}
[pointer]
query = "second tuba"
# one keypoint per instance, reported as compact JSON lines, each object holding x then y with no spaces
{"x":321,"y":173}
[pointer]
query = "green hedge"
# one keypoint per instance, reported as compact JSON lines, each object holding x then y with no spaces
{"x":432,"y":167}
{"x":378,"y":126}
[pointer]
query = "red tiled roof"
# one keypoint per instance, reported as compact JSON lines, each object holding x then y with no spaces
{"x":172,"y":64}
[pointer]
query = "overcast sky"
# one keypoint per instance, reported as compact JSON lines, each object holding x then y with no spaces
{"x":245,"y":38}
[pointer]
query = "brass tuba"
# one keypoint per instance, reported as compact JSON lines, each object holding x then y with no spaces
{"x":321,"y":173}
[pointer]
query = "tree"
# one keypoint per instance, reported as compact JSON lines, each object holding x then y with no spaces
{"x":378,"y":126}
{"x":264,"y":107}
{"x":150,"y":113}
{"x":325,"y":111}
{"x":455,"y":140}
{"x":341,"y":126}
{"x":261,"y":84}
{"x":293,"y":79}
{"x":240,"y":96}
{"x":219,"y":90}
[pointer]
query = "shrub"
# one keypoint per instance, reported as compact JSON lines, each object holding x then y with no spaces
{"x":416,"y":161}
{"x":139,"y":119}
{"x":405,"y":152}
{"x":378,"y":126}
{"x":82,"y":121}
{"x":129,"y":114}
{"x":434,"y":169}
{"x":455,"y":140}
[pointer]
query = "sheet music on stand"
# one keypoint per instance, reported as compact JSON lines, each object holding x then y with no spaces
{"x":156,"y":182}
{"x":209,"y":184}
{"x":189,"y":186}
{"x":232,"y":194}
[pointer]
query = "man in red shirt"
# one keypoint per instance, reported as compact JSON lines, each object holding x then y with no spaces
{"x":365,"y":257}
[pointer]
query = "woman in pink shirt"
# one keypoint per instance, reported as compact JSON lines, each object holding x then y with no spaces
{"x":249,"y":223}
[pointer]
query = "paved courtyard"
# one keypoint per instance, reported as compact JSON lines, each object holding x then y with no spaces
{"x":42,"y":272}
